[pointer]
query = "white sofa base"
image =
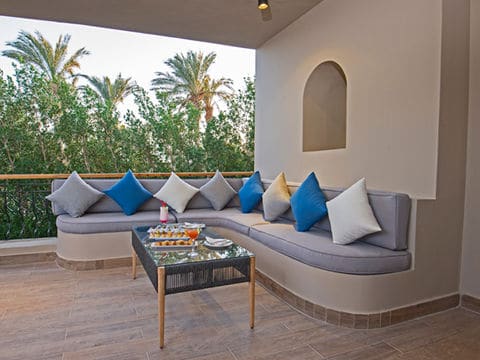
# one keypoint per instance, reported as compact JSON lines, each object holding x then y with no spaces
{"x":93,"y":247}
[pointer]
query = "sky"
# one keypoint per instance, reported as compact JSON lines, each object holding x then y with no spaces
{"x":132,"y":54}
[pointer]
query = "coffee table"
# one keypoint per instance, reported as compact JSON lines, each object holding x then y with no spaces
{"x":175,"y":271}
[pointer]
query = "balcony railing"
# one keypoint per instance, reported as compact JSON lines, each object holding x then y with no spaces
{"x":25,"y":213}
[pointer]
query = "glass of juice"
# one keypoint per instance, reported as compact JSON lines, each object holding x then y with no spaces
{"x":193,"y":232}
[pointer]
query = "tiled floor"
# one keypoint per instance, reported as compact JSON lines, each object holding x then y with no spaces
{"x":50,"y":313}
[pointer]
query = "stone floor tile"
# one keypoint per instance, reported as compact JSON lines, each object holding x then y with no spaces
{"x":380,"y":351}
{"x":47,"y":312}
{"x":419,"y":337}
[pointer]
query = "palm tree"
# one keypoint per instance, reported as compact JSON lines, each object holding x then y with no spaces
{"x":112,"y":92}
{"x":213,"y":89}
{"x":37,"y":50}
{"x":190,"y":81}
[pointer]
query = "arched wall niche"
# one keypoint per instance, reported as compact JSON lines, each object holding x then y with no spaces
{"x":325,"y":108}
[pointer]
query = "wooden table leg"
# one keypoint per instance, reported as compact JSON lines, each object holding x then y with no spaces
{"x":134,"y":264}
{"x":161,"y":305}
{"x":252,"y":291}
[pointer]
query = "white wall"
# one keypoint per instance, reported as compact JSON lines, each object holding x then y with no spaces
{"x":470,"y":282}
{"x":390,"y":52}
{"x":407,"y":72}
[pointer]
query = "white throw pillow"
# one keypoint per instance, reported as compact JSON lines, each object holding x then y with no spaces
{"x":351,"y":216}
{"x":176,"y":193}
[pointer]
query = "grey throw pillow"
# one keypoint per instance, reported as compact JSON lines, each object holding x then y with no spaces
{"x":218,"y":191}
{"x":75,"y":196}
{"x":276,"y":199}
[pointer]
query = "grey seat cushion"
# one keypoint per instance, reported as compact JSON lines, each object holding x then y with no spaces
{"x":231,"y":218}
{"x":107,"y":222}
{"x":315,"y":248}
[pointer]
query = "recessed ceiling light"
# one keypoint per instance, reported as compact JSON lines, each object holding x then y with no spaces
{"x":263,"y":4}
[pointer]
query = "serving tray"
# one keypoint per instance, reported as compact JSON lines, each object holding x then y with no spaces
{"x":175,"y":246}
{"x":168,"y":238}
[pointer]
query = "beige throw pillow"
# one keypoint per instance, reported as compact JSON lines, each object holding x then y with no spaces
{"x":276,"y":199}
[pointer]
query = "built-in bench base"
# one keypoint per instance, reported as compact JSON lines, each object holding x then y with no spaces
{"x":358,"y":321}
{"x":79,"y":265}
{"x":77,"y":248}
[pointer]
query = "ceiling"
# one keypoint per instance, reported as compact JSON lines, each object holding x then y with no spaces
{"x":229,"y":22}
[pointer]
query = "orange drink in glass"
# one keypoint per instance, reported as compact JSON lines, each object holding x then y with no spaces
{"x":192,"y":233}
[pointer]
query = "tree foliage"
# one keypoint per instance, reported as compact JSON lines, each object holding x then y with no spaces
{"x":44,"y":131}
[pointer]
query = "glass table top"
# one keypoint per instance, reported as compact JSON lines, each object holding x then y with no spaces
{"x":189,"y":254}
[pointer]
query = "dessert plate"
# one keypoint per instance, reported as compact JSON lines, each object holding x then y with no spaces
{"x":217,"y":243}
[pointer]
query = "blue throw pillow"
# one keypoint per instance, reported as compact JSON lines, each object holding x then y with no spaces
{"x":128,"y":193}
{"x":251,"y":193}
{"x":308,"y":204}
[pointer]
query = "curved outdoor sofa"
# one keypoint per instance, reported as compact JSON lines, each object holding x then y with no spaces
{"x":377,"y":254}
{"x":306,"y":268}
